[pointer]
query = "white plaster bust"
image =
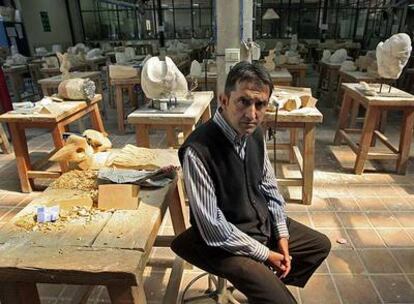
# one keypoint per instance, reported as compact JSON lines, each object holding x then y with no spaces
{"x":326,"y":55}
{"x":393,"y":55}
{"x":339,"y":56}
{"x":162,"y":78}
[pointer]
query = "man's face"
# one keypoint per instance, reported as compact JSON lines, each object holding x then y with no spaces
{"x":245,"y":108}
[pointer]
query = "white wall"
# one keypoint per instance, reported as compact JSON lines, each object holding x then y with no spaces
{"x":58,"y":18}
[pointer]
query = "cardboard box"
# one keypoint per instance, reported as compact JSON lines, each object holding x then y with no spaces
{"x":118,"y":196}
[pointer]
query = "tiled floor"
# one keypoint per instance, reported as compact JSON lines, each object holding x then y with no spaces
{"x":374,"y":213}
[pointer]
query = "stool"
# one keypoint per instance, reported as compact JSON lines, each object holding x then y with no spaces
{"x":217,"y":290}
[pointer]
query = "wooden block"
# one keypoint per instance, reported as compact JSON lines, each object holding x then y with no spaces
{"x":118,"y":196}
{"x":308,"y":101}
{"x":65,"y":198}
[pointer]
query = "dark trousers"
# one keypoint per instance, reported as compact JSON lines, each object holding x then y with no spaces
{"x":260,"y":285}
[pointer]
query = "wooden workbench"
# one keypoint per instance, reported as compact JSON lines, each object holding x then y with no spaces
{"x":71,"y":111}
{"x":108,"y":248}
{"x":15,"y":74}
{"x":374,"y":105}
{"x":305,"y":159}
{"x":144,"y":121}
{"x":298,"y":72}
{"x":50,"y":72}
{"x":120,"y":85}
{"x":328,"y":78}
{"x":281,"y":77}
{"x":49,"y":85}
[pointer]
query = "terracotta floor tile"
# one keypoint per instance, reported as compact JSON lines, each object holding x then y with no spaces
{"x":365,"y":238}
{"x":356,"y":289}
{"x":155,"y":283}
{"x":319,"y":289}
{"x":406,"y":219}
{"x":301,"y":217}
{"x":296,"y":207}
{"x":325,"y":220}
{"x":379,"y":261}
{"x":397,"y":203}
{"x":385,"y":190}
{"x":344,"y":261}
{"x":394,"y":288}
{"x":394,"y":237}
{"x":334,"y":235}
{"x":13,"y":199}
{"x":405,"y":258}
{"x":405,"y":190}
{"x":344,"y":204}
{"x":358,"y":190}
{"x":383,"y":219}
{"x":371,"y":204}
{"x":321,"y":204}
{"x":323,"y":268}
{"x":354,"y":219}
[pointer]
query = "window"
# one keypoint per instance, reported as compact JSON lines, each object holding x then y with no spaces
{"x":105,"y":20}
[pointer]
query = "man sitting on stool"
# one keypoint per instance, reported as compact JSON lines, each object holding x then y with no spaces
{"x":239,"y":227}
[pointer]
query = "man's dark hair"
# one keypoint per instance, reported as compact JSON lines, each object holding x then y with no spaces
{"x":246,"y":71}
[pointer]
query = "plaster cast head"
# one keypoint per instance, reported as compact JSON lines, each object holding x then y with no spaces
{"x":195,"y":69}
{"x":339,"y":56}
{"x":326,"y":55}
{"x":162,"y":78}
{"x":393,"y":55}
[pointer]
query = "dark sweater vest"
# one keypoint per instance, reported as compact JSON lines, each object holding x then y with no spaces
{"x":236,"y":181}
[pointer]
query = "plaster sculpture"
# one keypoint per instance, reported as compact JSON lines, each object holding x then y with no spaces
{"x":50,"y":62}
{"x":195,"y":69}
{"x":280,"y":59}
{"x":57,"y":48}
{"x":348,"y":65}
{"x":16,"y":59}
{"x":40,"y":51}
{"x":94,"y":53}
{"x":373,"y":69}
{"x":65,"y":65}
{"x":77,"y":89}
{"x":294,"y":43}
{"x":393,"y":55}
{"x":129,"y":53}
{"x":338,"y":56}
{"x":270,"y":61}
{"x":279,"y":46}
{"x":120,"y":57}
{"x":326,"y":55}
{"x":162,"y":79}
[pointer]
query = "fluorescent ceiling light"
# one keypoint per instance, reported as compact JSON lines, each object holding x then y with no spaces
{"x":270,"y":14}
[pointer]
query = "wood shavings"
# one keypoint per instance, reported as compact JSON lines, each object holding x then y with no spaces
{"x":79,"y":180}
{"x":28,"y":222}
{"x":133,"y":157}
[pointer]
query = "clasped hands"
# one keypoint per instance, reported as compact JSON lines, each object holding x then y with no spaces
{"x":280,"y":261}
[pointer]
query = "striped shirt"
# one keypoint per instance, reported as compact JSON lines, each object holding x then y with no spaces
{"x":211,"y":222}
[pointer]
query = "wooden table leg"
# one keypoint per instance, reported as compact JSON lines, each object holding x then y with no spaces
{"x":308,"y":162}
{"x":171,"y":137}
{"x":19,"y":293}
{"x":293,"y":134}
{"x":99,"y":90}
{"x":405,"y":141}
{"x":187,"y":129}
{"x":343,"y":117}
{"x":338,"y":93}
{"x":57,"y":134}
{"x":206,"y":114}
{"x":354,"y":114}
{"x":4,"y":142}
{"x":302,"y":77}
{"x":119,"y":108}
{"x":142,"y":135}
{"x":370,"y":122}
{"x":177,"y":209}
{"x":96,"y":118}
{"x":121,"y":294}
{"x":22,"y":157}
